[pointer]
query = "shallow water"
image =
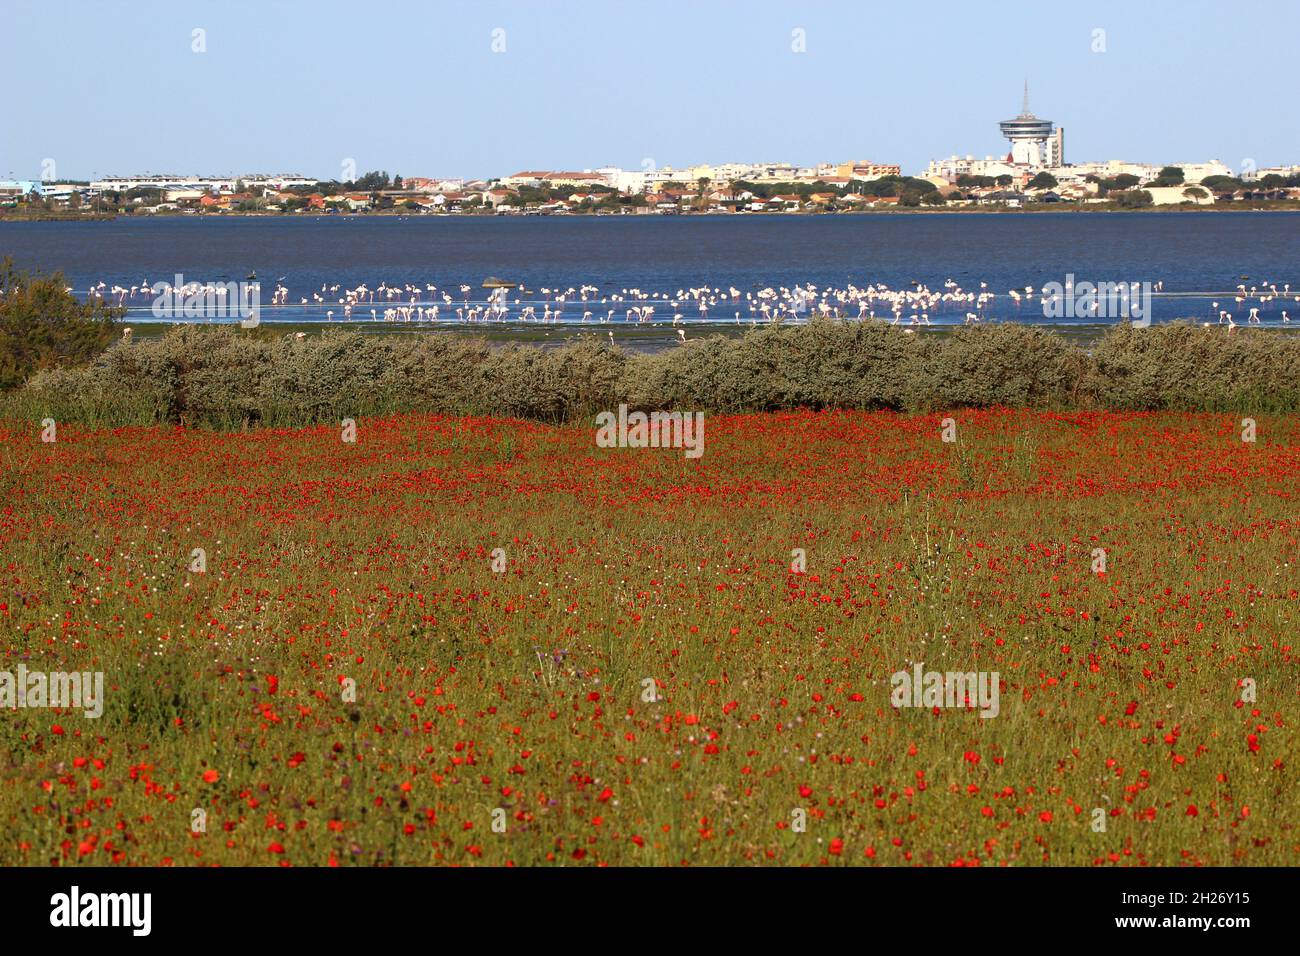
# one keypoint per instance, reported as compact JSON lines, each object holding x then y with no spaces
{"x":1199,"y":258}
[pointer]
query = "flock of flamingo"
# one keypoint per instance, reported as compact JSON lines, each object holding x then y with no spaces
{"x":430,"y":304}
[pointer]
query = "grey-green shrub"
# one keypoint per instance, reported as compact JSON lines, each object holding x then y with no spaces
{"x":227,"y":378}
{"x":1189,"y":367}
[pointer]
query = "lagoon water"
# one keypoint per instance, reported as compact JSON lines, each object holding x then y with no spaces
{"x":1199,"y":257}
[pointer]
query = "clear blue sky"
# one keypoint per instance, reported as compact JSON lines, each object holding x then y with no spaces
{"x":113,"y":87}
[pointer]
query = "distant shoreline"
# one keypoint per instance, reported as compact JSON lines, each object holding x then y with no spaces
{"x":1281,"y":206}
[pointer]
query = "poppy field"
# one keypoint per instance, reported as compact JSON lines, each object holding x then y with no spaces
{"x":484,"y":641}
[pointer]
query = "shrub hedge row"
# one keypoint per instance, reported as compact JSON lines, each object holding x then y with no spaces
{"x":225,"y":377}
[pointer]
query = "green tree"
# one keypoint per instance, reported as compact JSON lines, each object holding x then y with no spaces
{"x":148,"y":195}
{"x":701,"y":187}
{"x":1131,"y":198}
{"x":43,"y":326}
{"x":370,"y":182}
{"x":1221,"y":184}
{"x":1043,"y":180}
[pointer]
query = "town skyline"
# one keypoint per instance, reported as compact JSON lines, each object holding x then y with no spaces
{"x":624,"y":180}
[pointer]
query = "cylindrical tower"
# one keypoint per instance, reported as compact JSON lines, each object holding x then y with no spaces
{"x":1029,"y":136}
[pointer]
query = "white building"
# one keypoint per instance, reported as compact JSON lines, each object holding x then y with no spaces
{"x":1116,"y":167}
{"x":952,"y":167}
{"x":627,"y":181}
{"x":774,"y":172}
{"x":1035,"y":143}
{"x":205,"y":183}
{"x":656,"y":177}
{"x":1195,"y":172}
{"x":1272,"y":171}
{"x":730,"y":172}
